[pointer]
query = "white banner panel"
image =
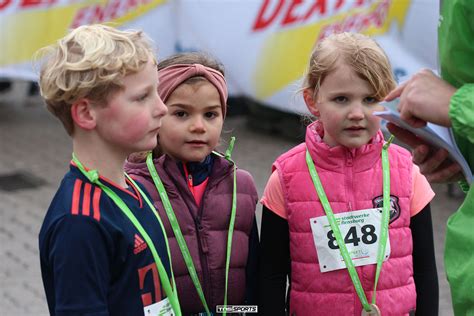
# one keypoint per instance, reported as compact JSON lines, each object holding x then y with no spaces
{"x":264,"y":44}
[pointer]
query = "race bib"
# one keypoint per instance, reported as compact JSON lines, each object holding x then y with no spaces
{"x":360,"y":231}
{"x":162,"y":308}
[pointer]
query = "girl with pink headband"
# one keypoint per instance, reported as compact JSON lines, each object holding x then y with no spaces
{"x":207,"y":205}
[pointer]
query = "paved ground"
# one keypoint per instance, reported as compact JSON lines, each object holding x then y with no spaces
{"x":35,"y":147}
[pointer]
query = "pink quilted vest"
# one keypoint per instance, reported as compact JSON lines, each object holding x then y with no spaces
{"x":352,"y":180}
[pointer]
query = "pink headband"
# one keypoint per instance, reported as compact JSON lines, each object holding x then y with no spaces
{"x":171,"y":77}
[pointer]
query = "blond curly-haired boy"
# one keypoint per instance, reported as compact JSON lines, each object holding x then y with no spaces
{"x":102,"y":248}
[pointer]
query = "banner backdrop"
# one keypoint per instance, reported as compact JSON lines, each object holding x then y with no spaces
{"x":264,"y":44}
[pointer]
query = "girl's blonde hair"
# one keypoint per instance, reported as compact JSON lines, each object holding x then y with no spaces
{"x":359,"y":52}
{"x":90,"y":62}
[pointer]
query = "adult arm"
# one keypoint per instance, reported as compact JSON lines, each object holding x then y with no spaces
{"x":461,"y":112}
{"x":274,"y":263}
{"x":455,"y":50}
{"x":424,"y":98}
{"x":424,"y":264}
{"x":446,"y":106}
{"x":427,"y":98}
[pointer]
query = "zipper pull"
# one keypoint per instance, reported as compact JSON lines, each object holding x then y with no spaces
{"x":202,"y":237}
{"x":190,"y":183}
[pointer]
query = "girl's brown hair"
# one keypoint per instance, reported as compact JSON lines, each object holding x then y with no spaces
{"x":190,"y":58}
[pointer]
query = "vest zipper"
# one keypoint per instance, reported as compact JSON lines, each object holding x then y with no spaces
{"x":349,"y":185}
{"x":189,"y":179}
{"x":200,"y":234}
{"x":203,"y":246}
{"x":349,"y":181}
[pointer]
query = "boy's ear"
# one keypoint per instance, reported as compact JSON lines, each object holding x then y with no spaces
{"x":308,"y":96}
{"x":83,"y":114}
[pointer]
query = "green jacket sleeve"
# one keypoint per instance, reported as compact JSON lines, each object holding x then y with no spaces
{"x":456,"y":51}
{"x":461,"y":112}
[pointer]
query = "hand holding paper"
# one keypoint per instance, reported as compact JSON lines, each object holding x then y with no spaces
{"x":423,"y":98}
{"x":436,"y":136}
{"x":435,"y":163}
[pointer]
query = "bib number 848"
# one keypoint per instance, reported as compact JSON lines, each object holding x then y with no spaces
{"x":368,"y":236}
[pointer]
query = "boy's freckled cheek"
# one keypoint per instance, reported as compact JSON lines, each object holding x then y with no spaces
{"x":137,"y":126}
{"x":134,"y":131}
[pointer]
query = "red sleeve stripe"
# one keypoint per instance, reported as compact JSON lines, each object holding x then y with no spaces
{"x":138,"y":240}
{"x":96,"y":203}
{"x":75,"y":197}
{"x":86,"y":199}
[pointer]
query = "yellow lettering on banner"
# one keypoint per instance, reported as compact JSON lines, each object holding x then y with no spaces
{"x":284,"y":56}
{"x":26,"y":31}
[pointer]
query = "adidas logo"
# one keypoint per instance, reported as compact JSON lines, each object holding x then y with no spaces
{"x":140,"y":245}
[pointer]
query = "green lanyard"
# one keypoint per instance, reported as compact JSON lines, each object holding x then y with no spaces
{"x":93,"y":176}
{"x":337,"y":233}
{"x":177,"y":230}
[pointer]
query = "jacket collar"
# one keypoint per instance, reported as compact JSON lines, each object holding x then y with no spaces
{"x":219,"y":170}
{"x":335,"y":158}
{"x":200,"y":171}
